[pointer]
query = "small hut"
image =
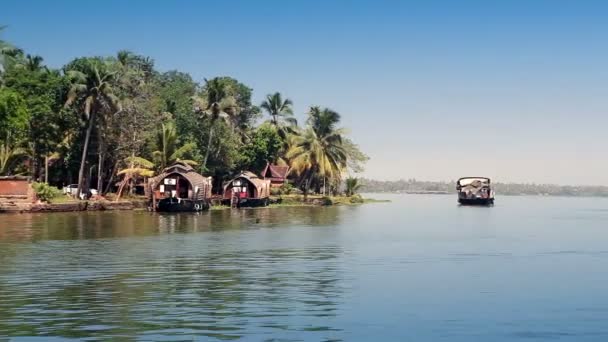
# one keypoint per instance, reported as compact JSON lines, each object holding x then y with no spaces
{"x":179,"y":184}
{"x":247,"y":189}
{"x":276,"y":174}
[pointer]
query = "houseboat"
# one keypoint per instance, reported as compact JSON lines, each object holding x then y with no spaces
{"x":179,"y":188}
{"x":247,"y":190}
{"x":475,"y":191}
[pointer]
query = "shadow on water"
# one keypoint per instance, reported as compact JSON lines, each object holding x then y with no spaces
{"x":154,"y":277}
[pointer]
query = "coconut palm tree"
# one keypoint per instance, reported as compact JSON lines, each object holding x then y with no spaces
{"x":167,"y":151}
{"x":352,"y":186}
{"x":92,"y":91}
{"x":318,"y":153}
{"x":9,"y":155}
{"x":137,"y":167}
{"x":280,"y":110}
{"x":215,"y":104}
{"x":9,"y":54}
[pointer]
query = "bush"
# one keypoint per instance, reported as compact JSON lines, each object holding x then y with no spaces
{"x":45,"y":192}
{"x":356,"y":199}
{"x":326,"y":201}
{"x":286,"y":189}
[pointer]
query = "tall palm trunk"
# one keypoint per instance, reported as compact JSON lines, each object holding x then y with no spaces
{"x":100,"y":165}
{"x":46,"y":169}
{"x":208,"y":146}
{"x":85,"y":150}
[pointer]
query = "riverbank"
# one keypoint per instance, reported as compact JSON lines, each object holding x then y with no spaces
{"x":312,"y":201}
{"x":65,"y":204}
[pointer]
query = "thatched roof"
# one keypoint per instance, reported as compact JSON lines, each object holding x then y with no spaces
{"x":182,"y":169}
{"x":262,"y":185}
{"x":275,"y":172}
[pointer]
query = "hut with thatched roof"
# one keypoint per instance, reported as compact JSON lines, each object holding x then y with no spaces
{"x":276,"y":174}
{"x":247,"y":189}
{"x":179,"y":188}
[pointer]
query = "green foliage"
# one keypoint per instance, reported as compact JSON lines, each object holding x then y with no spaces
{"x":352,"y":186}
{"x":263,"y":147}
{"x":318,"y":153}
{"x":168,"y":149}
{"x":326,"y":201}
{"x":91,"y":117}
{"x":356,"y":199}
{"x":176,"y":91}
{"x":14,"y":116}
{"x":9,"y":155}
{"x":45,"y":192}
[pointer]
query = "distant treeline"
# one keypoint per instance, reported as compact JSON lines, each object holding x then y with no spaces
{"x":416,"y":186}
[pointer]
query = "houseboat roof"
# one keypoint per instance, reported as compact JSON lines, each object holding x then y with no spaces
{"x":251,"y":177}
{"x":180,"y":168}
{"x":275,"y":172}
{"x":468,"y":180}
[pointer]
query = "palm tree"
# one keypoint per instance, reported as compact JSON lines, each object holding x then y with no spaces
{"x":9,"y":155}
{"x":279,"y":109}
{"x":215,"y":104}
{"x":33,"y":63}
{"x":8,"y":53}
{"x":137,"y":167}
{"x":352,"y":186}
{"x":92,"y":90}
{"x":318,"y":153}
{"x":167,"y":151}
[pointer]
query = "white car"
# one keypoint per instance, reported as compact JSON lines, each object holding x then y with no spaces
{"x":72,"y":190}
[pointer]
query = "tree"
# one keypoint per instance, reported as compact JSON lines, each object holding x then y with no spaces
{"x":215,"y":104}
{"x":280,"y":110}
{"x":92,"y":91}
{"x":14,"y":116}
{"x":9,"y":155}
{"x":9,"y":55}
{"x":318,"y":153}
{"x":352,"y":186}
{"x":263,"y":147}
{"x":168,"y":151}
{"x":44,"y":94}
{"x":137,"y":167}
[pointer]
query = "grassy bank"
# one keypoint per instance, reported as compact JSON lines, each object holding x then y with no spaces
{"x":313,"y":201}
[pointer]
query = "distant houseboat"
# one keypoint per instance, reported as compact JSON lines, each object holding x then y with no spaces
{"x":247,"y":190}
{"x":179,"y":188}
{"x":475,"y":191}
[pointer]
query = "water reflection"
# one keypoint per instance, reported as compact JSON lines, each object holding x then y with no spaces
{"x":146,"y":276}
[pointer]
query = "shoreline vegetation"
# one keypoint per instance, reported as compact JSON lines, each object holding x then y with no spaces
{"x":67,"y":204}
{"x":106,"y":124}
{"x":413,"y":186}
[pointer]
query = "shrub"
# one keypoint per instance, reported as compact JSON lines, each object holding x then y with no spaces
{"x":45,"y":192}
{"x":356,"y":199}
{"x":286,"y":189}
{"x":326,"y":201}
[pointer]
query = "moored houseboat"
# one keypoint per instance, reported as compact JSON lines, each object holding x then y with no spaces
{"x":247,"y":190}
{"x":179,"y":188}
{"x":475,"y":191}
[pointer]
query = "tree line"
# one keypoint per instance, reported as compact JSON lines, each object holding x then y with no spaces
{"x":111,"y":121}
{"x":417,"y":186}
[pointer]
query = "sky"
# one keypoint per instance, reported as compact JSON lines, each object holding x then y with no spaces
{"x":432,"y":90}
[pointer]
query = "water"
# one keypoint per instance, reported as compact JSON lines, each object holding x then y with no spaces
{"x":420,"y":268}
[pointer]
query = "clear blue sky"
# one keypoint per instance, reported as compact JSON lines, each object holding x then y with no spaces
{"x":516,"y":90}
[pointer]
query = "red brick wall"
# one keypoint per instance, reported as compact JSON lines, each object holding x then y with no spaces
{"x":12,"y":187}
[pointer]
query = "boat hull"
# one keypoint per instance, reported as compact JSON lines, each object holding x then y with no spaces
{"x":476,"y":201}
{"x":173,"y":205}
